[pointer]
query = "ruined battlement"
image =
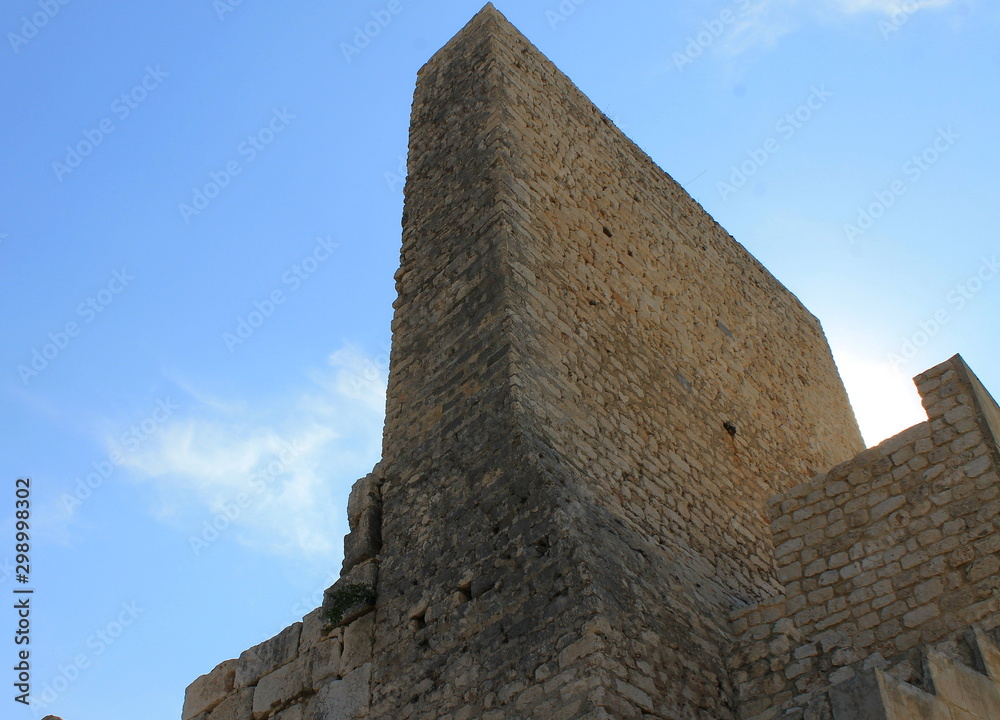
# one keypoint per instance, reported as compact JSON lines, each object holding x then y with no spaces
{"x":881,"y":557}
{"x":593,"y":392}
{"x":952,"y":687}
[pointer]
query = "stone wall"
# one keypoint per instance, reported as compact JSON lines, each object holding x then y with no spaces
{"x":484,"y":605}
{"x":306,"y":672}
{"x":958,"y":691}
{"x":882,"y":556}
{"x":593,"y":391}
{"x":679,"y":384}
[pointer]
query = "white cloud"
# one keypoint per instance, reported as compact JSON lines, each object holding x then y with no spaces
{"x":274,"y":476}
{"x":887,"y":7}
{"x":761,"y":23}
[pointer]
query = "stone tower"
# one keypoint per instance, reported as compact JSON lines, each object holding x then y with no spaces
{"x":594,"y":391}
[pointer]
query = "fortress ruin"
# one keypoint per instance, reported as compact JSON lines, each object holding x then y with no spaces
{"x":621,"y":477}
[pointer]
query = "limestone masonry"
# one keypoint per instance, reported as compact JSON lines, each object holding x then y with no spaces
{"x":621,"y":477}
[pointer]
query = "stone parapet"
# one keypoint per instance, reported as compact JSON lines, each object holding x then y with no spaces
{"x":955,"y":691}
{"x":309,"y":671}
{"x":893,"y":551}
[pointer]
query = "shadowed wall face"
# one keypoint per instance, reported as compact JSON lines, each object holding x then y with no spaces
{"x":479,"y":591}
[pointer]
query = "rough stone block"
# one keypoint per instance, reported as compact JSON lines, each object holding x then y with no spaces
{"x":280,"y":687}
{"x":586,"y":645}
{"x":238,"y":706}
{"x":295,"y":712}
{"x":365,"y":540}
{"x":352,"y":596}
{"x":314,"y":627}
{"x":268,"y":656}
{"x":325,"y":658}
{"x":209,"y":690}
{"x":357,"y":648}
{"x":978,"y":466}
{"x":344,"y":699}
{"x":364,"y":496}
{"x":963,"y":687}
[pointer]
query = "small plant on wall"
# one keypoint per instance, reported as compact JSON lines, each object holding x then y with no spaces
{"x":347,"y":598}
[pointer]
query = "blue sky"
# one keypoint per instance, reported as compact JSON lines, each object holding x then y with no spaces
{"x":199,"y":226}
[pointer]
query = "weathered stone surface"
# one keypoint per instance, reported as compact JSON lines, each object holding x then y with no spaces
{"x":365,"y":540}
{"x":593,"y":393}
{"x":296,"y":712}
{"x":325,"y":661}
{"x":268,"y":656}
{"x":861,"y":698}
{"x":365,"y":496}
{"x":959,"y":692}
{"x":209,"y":690}
{"x":357,"y":649}
{"x":314,"y":629}
{"x":920,"y":559}
{"x":345,"y":699}
{"x":962,"y":687}
{"x":360,"y":583}
{"x":235,"y":707}
{"x":281,"y":687}
{"x":987,"y":654}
